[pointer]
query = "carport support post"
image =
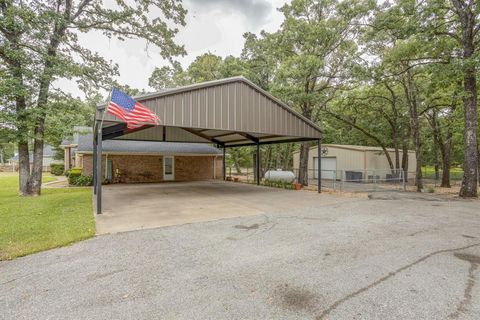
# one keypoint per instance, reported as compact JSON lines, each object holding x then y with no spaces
{"x":257,"y":164}
{"x":95,"y":161}
{"x":319,"y":166}
{"x":99,"y":169}
{"x":224,"y":165}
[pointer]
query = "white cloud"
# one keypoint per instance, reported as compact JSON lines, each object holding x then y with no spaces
{"x":212,"y":25}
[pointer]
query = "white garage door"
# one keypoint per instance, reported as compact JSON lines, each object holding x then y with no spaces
{"x":329,"y":166}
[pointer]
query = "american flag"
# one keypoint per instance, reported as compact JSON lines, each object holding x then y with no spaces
{"x":133,"y":113}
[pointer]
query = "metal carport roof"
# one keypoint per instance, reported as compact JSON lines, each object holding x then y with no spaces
{"x":227,"y":112}
{"x":230,"y":112}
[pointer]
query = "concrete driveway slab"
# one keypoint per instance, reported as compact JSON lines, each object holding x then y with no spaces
{"x":141,"y":206}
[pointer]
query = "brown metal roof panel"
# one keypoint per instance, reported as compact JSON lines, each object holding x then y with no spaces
{"x":252,"y":111}
{"x":210,"y":108}
{"x":203,"y":109}
{"x":224,"y":111}
{"x":231,"y":107}
{"x":195,"y":109}
{"x":230,"y":138}
{"x":235,"y":105}
{"x":178,"y":109}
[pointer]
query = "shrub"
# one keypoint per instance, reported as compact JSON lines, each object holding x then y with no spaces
{"x":76,"y":178}
{"x":84,"y":181}
{"x":74,"y":171}
{"x":278,"y":184}
{"x":57,"y":169}
{"x":79,"y":180}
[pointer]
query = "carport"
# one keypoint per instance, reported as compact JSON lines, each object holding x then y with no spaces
{"x":231,"y":112}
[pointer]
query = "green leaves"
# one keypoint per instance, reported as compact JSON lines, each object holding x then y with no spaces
{"x":40,"y":45}
{"x":206,"y":67}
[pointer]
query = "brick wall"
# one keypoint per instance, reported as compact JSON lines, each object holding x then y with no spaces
{"x":219,"y":168}
{"x":139,"y":168}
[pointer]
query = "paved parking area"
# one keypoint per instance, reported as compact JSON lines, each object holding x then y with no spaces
{"x":148,"y":205}
{"x":348,"y":259}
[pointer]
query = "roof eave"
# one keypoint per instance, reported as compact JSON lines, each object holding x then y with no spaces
{"x":220,"y":82}
{"x":124,"y":153}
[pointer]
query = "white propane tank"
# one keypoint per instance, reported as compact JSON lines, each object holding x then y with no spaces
{"x":280,"y":175}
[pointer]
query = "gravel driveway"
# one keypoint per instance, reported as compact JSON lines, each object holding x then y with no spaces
{"x":356,"y":259}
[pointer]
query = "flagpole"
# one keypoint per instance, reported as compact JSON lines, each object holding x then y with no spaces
{"x":98,"y":169}
{"x":106,"y":108}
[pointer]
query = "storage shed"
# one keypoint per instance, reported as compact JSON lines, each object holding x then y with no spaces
{"x":359,"y":162}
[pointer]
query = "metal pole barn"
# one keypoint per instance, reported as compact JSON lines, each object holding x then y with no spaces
{"x":291,"y":126}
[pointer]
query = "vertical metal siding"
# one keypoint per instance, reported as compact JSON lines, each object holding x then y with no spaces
{"x":231,"y":107}
{"x":234,"y":106}
{"x":225,"y":102}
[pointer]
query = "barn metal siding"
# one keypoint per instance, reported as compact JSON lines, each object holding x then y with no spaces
{"x":357,"y":158}
{"x":235,"y":105}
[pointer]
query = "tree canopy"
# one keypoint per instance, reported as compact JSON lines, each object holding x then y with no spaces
{"x":394,"y":74}
{"x":39,"y":44}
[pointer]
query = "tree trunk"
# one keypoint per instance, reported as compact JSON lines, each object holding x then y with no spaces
{"x":24,"y":179}
{"x":446,"y":161}
{"x":470,"y":162}
{"x":418,"y":155}
{"x":236,"y":161}
{"x":237,"y":167}
{"x":268,"y":160}
{"x":278,"y":150}
{"x":58,"y":33}
{"x":405,"y":160}
{"x":303,"y":169}
{"x":436,"y":142}
{"x":467,"y":15}
{"x":397,"y":154}
{"x":37,"y":167}
{"x":405,"y":135}
{"x":478,"y":161}
{"x":436,"y":164}
{"x":286,"y":157}
{"x":24,"y":169}
{"x":413,"y":103}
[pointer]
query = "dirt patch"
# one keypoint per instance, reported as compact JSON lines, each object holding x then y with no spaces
{"x":400,"y":195}
{"x":340,"y":193}
{"x":252,"y":227}
{"x":467,"y":293}
{"x":295,"y":298}
{"x":468,"y":257}
{"x":97,"y":276}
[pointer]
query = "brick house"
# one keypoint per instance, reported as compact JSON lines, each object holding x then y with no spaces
{"x":144,"y":161}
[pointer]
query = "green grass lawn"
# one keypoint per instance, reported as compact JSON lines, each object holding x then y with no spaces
{"x":429,"y":173}
{"x":30,"y":224}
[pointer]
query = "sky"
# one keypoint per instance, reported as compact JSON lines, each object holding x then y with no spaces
{"x":215,"y":26}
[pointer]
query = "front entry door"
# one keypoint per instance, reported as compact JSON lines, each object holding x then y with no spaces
{"x":168,"y":168}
